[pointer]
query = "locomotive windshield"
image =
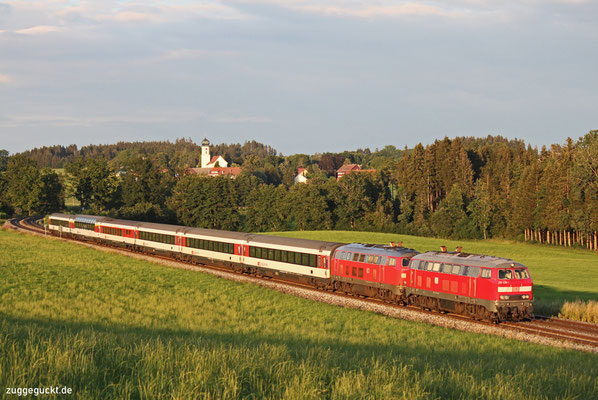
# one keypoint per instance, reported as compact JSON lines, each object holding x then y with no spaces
{"x":505,"y":274}
{"x":521,"y":273}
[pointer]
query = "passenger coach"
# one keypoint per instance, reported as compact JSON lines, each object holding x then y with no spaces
{"x":294,"y":259}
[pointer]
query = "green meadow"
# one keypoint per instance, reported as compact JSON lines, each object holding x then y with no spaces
{"x":110,"y":326}
{"x":561,"y":275}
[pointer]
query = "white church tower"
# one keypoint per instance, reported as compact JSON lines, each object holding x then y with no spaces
{"x":205,"y":153}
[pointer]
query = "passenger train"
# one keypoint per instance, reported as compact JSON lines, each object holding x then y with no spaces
{"x":483,"y":287}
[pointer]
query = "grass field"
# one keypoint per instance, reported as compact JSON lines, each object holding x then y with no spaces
{"x":109,"y":326}
{"x":560,"y":274}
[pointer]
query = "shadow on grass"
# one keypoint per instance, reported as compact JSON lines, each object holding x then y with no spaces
{"x":345,"y":354}
{"x":549,"y":300}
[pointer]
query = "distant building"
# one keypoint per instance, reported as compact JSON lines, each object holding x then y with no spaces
{"x":349,"y":169}
{"x":233,"y":172}
{"x":213,"y":165}
{"x":206,"y":160}
{"x":217,"y":160}
{"x":301,"y":176}
{"x":198,"y":171}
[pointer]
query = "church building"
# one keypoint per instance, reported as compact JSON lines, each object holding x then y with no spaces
{"x":210,"y":162}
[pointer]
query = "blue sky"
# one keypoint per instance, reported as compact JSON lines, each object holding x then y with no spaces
{"x":300,"y":75}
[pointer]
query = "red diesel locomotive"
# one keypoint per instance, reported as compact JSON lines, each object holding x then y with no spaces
{"x":480,"y":286}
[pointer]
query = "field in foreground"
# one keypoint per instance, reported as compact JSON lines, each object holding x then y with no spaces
{"x":113,"y":327}
{"x":560,"y":274}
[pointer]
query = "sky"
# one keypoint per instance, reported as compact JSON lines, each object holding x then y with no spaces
{"x":303,"y":76}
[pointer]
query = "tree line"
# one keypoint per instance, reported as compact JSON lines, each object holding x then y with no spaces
{"x":454,"y":188}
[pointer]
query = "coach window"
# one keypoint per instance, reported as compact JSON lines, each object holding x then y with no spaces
{"x":305,"y":259}
{"x":355,"y":256}
{"x":370,"y":260}
{"x":298,"y":258}
{"x":456,"y":269}
{"x":312,"y":260}
{"x":361,"y":257}
{"x":414,"y":264}
{"x":436,"y":267}
{"x":473,"y":272}
{"x":486,"y":273}
{"x":392,"y":261}
{"x":360,"y":273}
{"x":354,"y":271}
{"x":347,"y":270}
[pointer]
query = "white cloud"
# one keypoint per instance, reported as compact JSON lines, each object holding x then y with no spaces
{"x":131,"y":16}
{"x":380,"y":11}
{"x":40,"y":30}
{"x":155,"y":117}
{"x":182,"y":53}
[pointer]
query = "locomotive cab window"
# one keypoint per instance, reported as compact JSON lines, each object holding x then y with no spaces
{"x":392,"y":261}
{"x":505,"y":274}
{"x":521,"y":273}
{"x":405,"y":262}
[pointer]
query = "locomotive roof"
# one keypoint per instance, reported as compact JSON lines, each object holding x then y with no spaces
{"x":379,"y":249}
{"x":477,"y":260}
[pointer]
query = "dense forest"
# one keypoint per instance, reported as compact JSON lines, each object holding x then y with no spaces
{"x":454,"y":188}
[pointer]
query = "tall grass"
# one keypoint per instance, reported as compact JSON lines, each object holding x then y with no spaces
{"x":113,"y":327}
{"x":580,"y":310}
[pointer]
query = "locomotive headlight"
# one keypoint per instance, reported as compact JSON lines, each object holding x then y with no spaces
{"x":525,"y":296}
{"x":504,"y":297}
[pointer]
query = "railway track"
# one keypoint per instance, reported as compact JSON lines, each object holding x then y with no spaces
{"x":555,"y":329}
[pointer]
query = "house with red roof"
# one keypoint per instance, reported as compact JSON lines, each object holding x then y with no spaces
{"x":301,"y":176}
{"x":233,"y":172}
{"x":349,"y":169}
